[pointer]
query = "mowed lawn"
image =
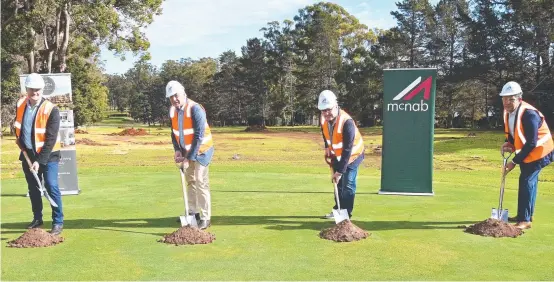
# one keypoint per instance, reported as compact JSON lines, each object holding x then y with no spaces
{"x":266,"y":204}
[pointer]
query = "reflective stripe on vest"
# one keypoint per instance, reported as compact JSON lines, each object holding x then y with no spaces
{"x":336,"y":145}
{"x":40,"y":123}
{"x":188,"y":128}
{"x":544,"y":145}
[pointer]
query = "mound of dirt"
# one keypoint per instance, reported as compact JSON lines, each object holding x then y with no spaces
{"x":256,"y":128}
{"x":151,"y":143}
{"x":188,"y":235}
{"x":36,"y":237}
{"x":86,"y":141}
{"x":494,"y":228}
{"x":345,"y":231}
{"x":131,"y":132}
{"x":80,"y":131}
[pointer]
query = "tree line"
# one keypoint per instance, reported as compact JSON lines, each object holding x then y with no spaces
{"x":476,"y":46}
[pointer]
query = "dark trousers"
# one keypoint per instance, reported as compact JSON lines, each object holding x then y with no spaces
{"x":527,"y":193}
{"x":48,"y":173}
{"x":347,"y":186}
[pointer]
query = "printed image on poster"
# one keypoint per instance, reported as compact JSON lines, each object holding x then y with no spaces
{"x":57,"y":89}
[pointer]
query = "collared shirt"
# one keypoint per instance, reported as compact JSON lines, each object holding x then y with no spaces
{"x":512,"y":121}
{"x":181,"y":114}
{"x":27,"y":128}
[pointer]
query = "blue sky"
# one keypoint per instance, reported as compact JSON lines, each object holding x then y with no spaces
{"x":207,"y":28}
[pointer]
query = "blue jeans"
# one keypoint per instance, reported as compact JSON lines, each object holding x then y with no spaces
{"x":347,"y":186}
{"x":49,"y":173}
{"x":527,"y":193}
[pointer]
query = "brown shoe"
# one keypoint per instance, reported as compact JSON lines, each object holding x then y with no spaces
{"x":523,"y":225}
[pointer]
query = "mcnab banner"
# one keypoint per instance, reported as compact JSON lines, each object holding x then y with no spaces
{"x":408,"y":128}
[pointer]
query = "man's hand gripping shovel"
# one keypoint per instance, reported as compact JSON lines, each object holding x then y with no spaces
{"x":499,"y":213}
{"x":186,"y":219}
{"x":339,"y":214}
{"x":40,"y":187}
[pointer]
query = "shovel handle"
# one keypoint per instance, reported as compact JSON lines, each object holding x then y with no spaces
{"x":335,"y":186}
{"x":40,"y":189}
{"x":185,"y":196}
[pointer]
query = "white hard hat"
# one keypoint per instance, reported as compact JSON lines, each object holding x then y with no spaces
{"x":511,"y":88}
{"x":35,"y":81}
{"x":174,"y":87}
{"x":327,"y":100}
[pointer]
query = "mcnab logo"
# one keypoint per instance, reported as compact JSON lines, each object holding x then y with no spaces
{"x":408,"y":94}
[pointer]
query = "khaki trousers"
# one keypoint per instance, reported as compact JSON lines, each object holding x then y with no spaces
{"x":198,"y":190}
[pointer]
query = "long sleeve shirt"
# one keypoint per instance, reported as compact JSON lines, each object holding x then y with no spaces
{"x":348,"y":135}
{"x":531,"y":122}
{"x":199,"y":126}
{"x":27,"y":135}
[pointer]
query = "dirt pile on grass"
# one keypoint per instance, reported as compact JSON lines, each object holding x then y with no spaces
{"x":86,"y":141}
{"x":345,"y":231}
{"x":34,"y":238}
{"x":188,"y":235}
{"x":80,"y":131}
{"x":256,"y":128}
{"x":131,"y":132}
{"x":494,"y":228}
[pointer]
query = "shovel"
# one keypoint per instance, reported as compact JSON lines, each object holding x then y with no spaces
{"x":40,"y":187}
{"x":339,"y":214}
{"x":499,"y":213}
{"x":186,"y":219}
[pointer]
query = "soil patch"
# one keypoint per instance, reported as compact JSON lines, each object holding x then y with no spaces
{"x":80,"y":131}
{"x":494,"y":228}
{"x":188,"y":235}
{"x":86,"y":141}
{"x":131,"y":132}
{"x":35,"y":237}
{"x":256,"y":128}
{"x":345,"y":231}
{"x":151,"y":143}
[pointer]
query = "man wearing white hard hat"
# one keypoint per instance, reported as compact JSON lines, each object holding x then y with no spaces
{"x":193,"y":145}
{"x":344,"y":148}
{"x":527,"y":135}
{"x":37,"y":123}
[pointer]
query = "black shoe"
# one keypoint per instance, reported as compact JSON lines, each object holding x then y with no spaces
{"x":56,"y":229}
{"x":203,"y":224}
{"x":196,"y":215}
{"x":514,"y":219}
{"x":35,"y":223}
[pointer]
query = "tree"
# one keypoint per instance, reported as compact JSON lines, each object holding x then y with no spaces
{"x":414,"y":18}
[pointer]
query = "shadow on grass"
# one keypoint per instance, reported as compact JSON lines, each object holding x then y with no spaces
{"x":286,"y":192}
{"x":281,"y":223}
{"x":13,"y":195}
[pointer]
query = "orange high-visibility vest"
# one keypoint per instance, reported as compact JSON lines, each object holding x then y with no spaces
{"x":544,"y":146}
{"x":335,"y":145}
{"x":41,"y":119}
{"x":188,"y":128}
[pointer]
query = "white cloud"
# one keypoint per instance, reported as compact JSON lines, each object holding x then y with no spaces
{"x":199,"y":28}
{"x":190,"y":21}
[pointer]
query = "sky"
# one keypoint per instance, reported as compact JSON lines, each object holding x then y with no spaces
{"x":206,"y":28}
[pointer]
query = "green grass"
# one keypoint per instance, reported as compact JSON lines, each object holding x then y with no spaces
{"x":265,"y":214}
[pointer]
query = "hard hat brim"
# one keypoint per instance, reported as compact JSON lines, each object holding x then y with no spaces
{"x":509,"y":94}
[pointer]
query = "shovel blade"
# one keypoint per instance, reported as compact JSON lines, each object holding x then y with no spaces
{"x":188,"y":220}
{"x":340,"y":216}
{"x":500,"y":214}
